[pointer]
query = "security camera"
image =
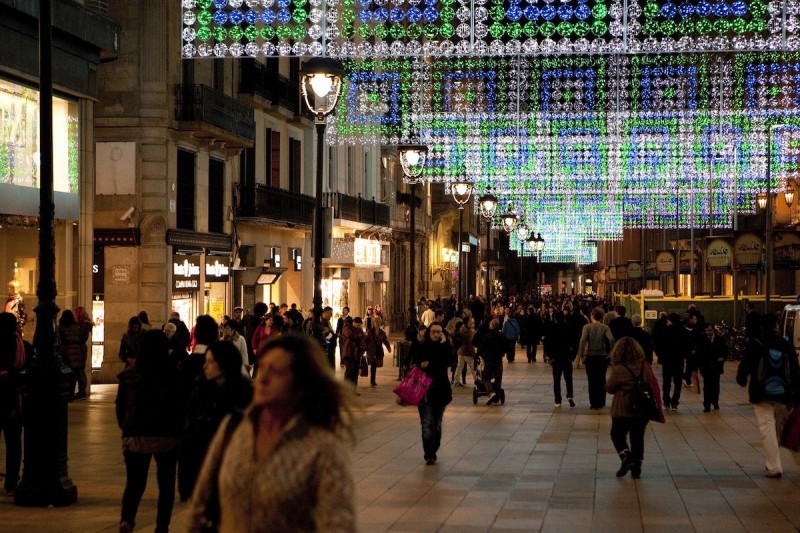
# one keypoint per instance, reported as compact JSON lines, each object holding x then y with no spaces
{"x":128,"y":214}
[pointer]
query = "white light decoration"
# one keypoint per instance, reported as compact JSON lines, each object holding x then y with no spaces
{"x":321,"y":83}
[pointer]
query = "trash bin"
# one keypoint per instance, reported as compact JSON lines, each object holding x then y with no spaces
{"x":402,"y":352}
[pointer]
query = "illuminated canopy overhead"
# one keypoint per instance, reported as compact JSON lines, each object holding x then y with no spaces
{"x":445,"y":28}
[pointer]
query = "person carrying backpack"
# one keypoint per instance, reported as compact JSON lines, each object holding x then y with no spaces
{"x":630,"y":414}
{"x":771,"y":368}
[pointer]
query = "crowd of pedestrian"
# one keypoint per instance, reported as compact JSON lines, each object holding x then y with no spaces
{"x":215,"y":404}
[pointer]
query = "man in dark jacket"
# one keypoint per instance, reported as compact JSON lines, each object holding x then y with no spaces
{"x":492,"y":349}
{"x":641,"y":336}
{"x":673,"y":348}
{"x":771,"y":368}
{"x":711,"y":354}
{"x":621,"y":326}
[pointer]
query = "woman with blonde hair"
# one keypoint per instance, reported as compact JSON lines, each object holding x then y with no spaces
{"x":629,"y":366}
{"x":285,"y":466}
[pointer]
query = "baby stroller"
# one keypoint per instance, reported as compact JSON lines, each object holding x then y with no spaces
{"x":480,"y":386}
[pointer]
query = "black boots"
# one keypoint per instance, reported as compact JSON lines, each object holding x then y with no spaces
{"x":636,"y":471}
{"x":627,"y":463}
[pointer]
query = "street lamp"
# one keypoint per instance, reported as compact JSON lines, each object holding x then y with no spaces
{"x":788,"y":195}
{"x":538,"y":244}
{"x":321,"y":84}
{"x":522,"y":234}
{"x":412,"y":160}
{"x":488,"y":205}
{"x":462,"y":191}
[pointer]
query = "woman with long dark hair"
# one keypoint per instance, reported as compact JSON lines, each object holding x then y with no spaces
{"x":221,"y":390}
{"x":433,"y":358}
{"x":150,"y":416}
{"x":206,"y":332}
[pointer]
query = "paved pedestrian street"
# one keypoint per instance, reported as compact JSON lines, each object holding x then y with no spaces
{"x":524,"y":466}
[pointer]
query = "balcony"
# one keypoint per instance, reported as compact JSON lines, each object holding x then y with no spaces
{"x":258,"y":80}
{"x":356,"y":209}
{"x":211,"y":114}
{"x":265,"y":204}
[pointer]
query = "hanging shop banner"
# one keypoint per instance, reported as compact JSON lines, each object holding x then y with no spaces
{"x":719,"y":253}
{"x":185,"y":273}
{"x":786,"y":250}
{"x":98,"y":271}
{"x":622,"y":272}
{"x":686,"y":262}
{"x":634,"y":270}
{"x":650,"y":271}
{"x":665,"y":262}
{"x":217,"y":271}
{"x":747,"y":251}
{"x":611,"y":273}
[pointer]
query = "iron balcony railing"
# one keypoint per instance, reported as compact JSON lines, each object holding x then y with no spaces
{"x":202,"y":103}
{"x":277,"y":205}
{"x":357,"y":209}
{"x":278,"y":89}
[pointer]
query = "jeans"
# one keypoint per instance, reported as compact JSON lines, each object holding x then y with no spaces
{"x":11,"y":428}
{"x":621,"y":426}
{"x":561,"y":366}
{"x":671,"y":372}
{"x":465,"y":362}
{"x":137,"y":466}
{"x":765,"y":418}
{"x":492,"y":371}
{"x":596,"y":366}
{"x":430,"y":416}
{"x":530,"y":350}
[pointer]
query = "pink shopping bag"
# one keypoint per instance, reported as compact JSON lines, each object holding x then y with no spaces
{"x":413,"y":387}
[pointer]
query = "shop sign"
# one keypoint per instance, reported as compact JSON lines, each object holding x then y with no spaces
{"x":634,"y":270}
{"x":121,"y":274}
{"x":786,"y":250}
{"x":611,"y":273}
{"x":747,"y":251}
{"x":216,"y":271}
{"x":366,"y":252}
{"x":185,"y":273}
{"x":719,"y":254}
{"x":665,"y":261}
{"x":622,"y":272}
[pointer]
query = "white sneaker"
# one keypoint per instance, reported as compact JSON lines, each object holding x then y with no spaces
{"x":492,"y":398}
{"x":557,"y":405}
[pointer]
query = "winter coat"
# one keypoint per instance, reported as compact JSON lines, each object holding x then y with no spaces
{"x":493,"y":347}
{"x":621,"y":381}
{"x":149,"y":406}
{"x":438,"y":357}
{"x":353,"y":343}
{"x":711,"y":355}
{"x":375,"y":342}
{"x":208,"y":405}
{"x":70,"y":350}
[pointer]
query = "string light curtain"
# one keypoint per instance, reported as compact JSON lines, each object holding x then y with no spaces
{"x":445,"y":28}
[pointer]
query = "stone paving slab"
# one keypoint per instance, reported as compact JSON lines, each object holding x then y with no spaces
{"x":521,"y":467}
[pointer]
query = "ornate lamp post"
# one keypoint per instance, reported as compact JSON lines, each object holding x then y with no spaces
{"x":45,"y":477}
{"x":488,"y":205}
{"x":510,"y":221}
{"x":320,"y":84}
{"x":462,"y":191}
{"x":412,"y":160}
{"x":538,"y":244}
{"x":522,"y":234}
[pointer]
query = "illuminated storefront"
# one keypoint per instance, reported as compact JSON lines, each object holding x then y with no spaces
{"x":356,"y":276}
{"x":19,"y":195}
